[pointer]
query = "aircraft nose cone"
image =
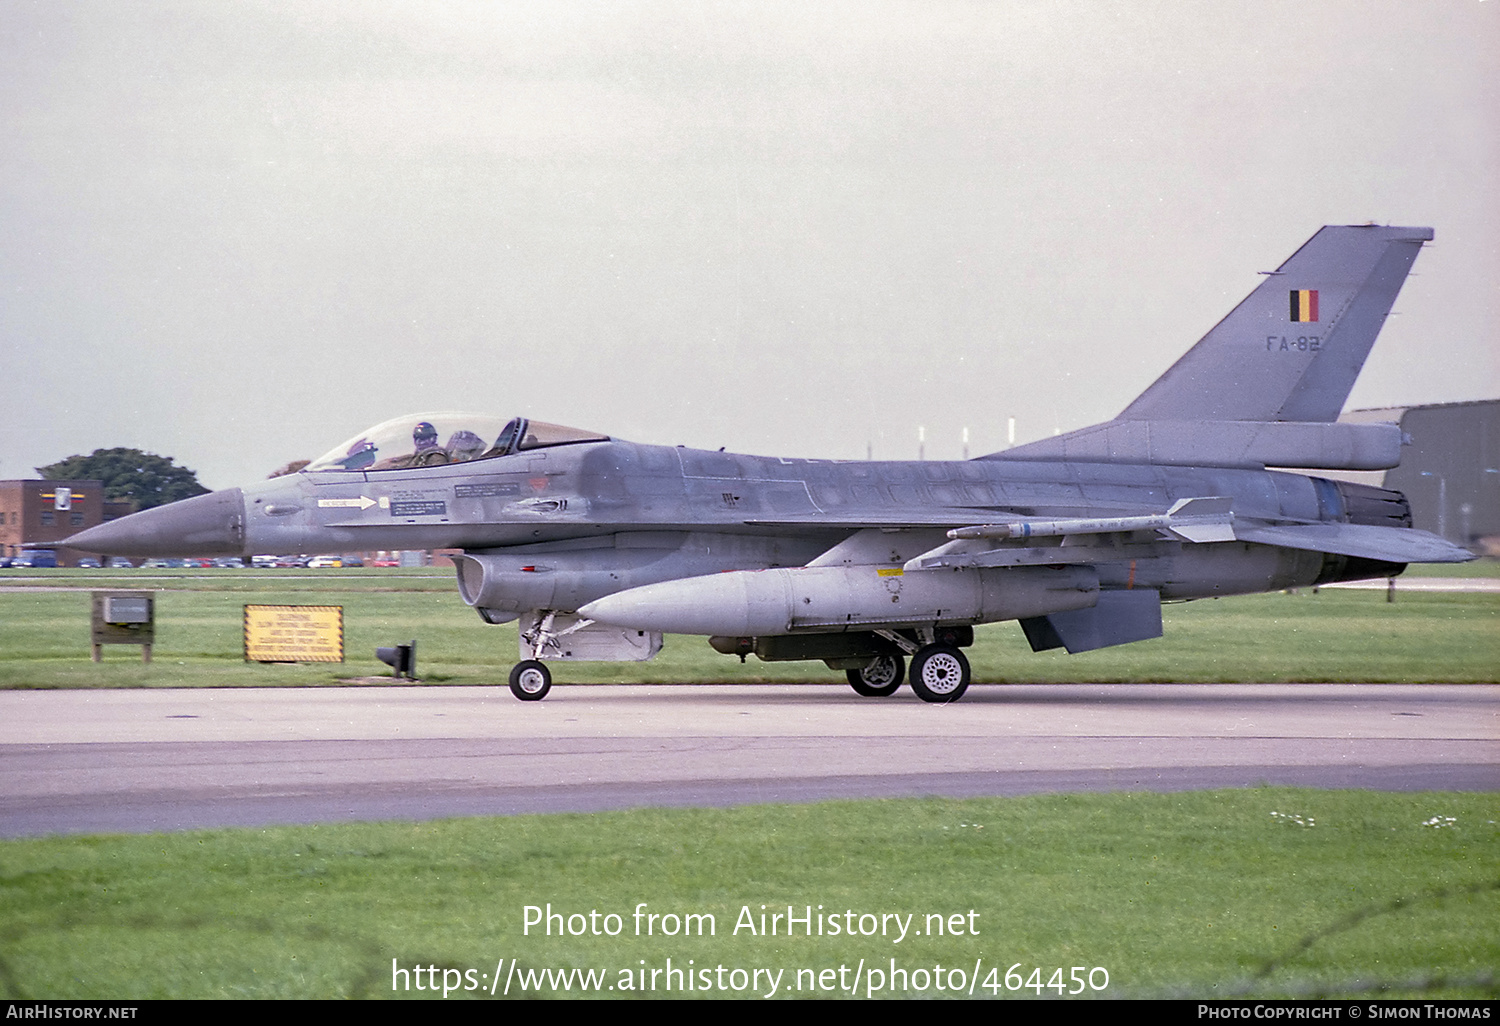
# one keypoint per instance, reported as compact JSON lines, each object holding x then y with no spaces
{"x":205,"y":525}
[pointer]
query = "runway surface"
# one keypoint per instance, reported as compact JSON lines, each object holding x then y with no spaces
{"x":154,"y":760}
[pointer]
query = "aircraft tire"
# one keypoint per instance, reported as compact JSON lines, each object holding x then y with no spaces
{"x":880,"y":678}
{"x":939,"y":673}
{"x":530,"y":680}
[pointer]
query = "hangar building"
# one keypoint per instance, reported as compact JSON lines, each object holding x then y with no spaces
{"x":1450,"y":470}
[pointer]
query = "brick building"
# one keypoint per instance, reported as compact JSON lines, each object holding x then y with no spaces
{"x":49,"y":511}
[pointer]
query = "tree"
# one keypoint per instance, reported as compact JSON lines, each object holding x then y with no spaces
{"x":129,"y":475}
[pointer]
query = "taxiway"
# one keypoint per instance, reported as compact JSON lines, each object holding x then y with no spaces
{"x":153,"y":760}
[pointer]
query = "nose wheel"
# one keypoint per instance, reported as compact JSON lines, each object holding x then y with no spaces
{"x":939,"y":673}
{"x":530,"y":680}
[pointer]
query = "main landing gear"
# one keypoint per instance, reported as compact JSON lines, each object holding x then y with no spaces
{"x":939,"y":673}
{"x":881,"y":677}
{"x":939,"y":669}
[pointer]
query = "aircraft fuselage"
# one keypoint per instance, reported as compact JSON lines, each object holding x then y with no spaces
{"x":754,"y":512}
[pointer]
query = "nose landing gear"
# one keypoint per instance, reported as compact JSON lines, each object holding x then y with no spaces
{"x":530,"y":680}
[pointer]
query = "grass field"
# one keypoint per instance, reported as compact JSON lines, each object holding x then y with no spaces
{"x":1487,"y":567}
{"x":1330,"y":635}
{"x":1260,"y":892}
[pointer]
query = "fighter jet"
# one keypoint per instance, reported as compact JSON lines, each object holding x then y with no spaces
{"x":599,"y":546}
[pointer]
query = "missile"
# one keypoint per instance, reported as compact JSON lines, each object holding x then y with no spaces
{"x":1207,"y":518}
{"x":755,"y":603}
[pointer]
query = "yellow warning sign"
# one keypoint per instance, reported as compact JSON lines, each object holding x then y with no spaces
{"x":294,"y":634}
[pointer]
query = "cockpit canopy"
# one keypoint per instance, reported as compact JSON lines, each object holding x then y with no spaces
{"x":433,"y":439}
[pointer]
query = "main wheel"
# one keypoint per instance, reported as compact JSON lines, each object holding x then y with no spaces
{"x":530,"y":681}
{"x":880,"y":677}
{"x":939,"y":674}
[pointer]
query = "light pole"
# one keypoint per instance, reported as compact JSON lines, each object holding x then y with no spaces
{"x":1442,"y":502}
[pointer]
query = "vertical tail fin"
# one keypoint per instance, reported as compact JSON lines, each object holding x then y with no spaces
{"x":1292,"y":349}
{"x":1264,"y":387}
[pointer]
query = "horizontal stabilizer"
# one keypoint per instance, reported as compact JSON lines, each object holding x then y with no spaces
{"x":1365,"y":541}
{"x":1118,"y":618}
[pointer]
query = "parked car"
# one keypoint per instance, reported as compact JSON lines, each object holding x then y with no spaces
{"x":325,"y":561}
{"x":35,"y":559}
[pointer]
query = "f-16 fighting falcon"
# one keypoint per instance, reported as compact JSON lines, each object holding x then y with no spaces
{"x":599,"y":546}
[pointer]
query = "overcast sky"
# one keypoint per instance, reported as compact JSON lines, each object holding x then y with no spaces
{"x":238,"y":233}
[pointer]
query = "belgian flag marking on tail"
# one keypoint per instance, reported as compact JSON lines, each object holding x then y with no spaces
{"x":1304,"y":305}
